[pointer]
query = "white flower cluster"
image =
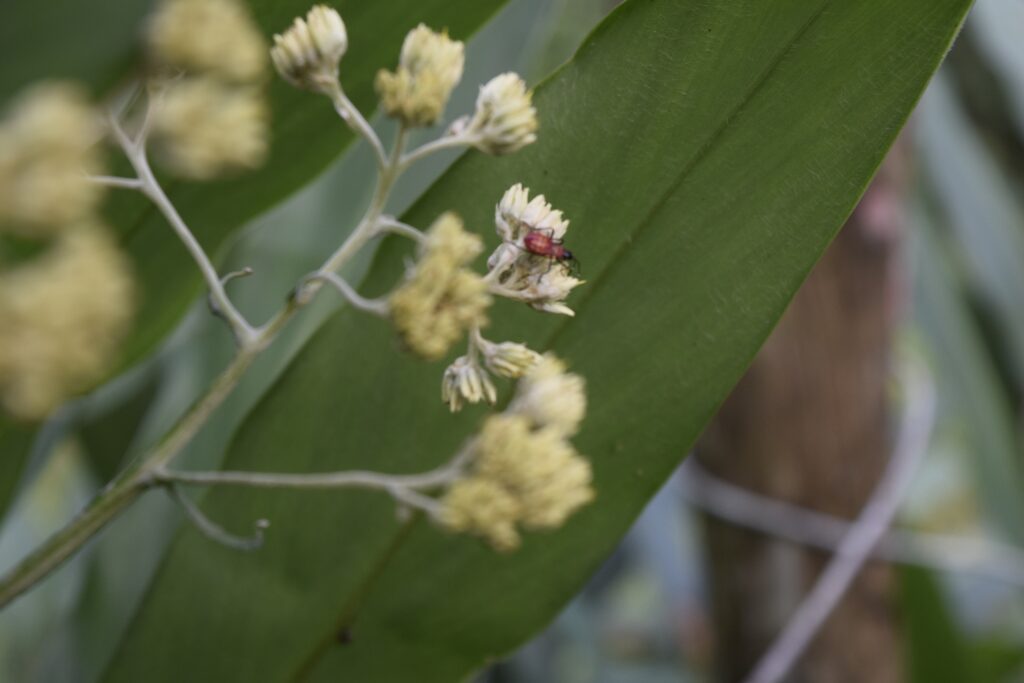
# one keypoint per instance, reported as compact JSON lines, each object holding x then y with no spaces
{"x":308,"y":53}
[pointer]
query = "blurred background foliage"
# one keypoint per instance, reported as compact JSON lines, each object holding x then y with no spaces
{"x":645,"y":617}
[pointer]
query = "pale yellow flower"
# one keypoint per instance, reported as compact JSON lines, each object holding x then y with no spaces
{"x":520,"y":476}
{"x":216,"y":36}
{"x":482,"y":508}
{"x":47,"y":150}
{"x":550,"y":397}
{"x":204,"y":128}
{"x":62,"y":317}
{"x":440,"y":298}
{"x":429,"y":69}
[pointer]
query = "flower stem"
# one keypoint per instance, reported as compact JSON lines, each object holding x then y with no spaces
{"x":253,"y":341}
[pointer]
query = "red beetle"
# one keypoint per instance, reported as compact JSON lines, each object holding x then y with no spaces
{"x":542,"y":243}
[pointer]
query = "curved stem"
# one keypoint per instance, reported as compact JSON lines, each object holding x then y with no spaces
{"x":396,"y":227}
{"x":214,"y":531}
{"x":135,"y":152}
{"x":357,"y":122}
{"x":376,"y":307}
{"x":434,"y":146}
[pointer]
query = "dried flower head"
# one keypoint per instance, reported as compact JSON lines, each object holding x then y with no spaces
{"x":62,"y":317}
{"x":464,"y":381}
{"x":440,"y":298}
{"x":429,"y":69}
{"x":520,"y":274}
{"x":520,"y":475}
{"x":308,"y":53}
{"x":47,"y":149}
{"x":204,"y":128}
{"x":505,"y":120}
{"x":216,"y":36}
{"x":550,"y":397}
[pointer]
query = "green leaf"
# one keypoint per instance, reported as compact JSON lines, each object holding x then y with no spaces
{"x":936,"y":650}
{"x":974,"y":401}
{"x":707,"y":153}
{"x":16,"y":440}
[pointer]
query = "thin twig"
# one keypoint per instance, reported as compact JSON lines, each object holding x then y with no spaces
{"x":116,"y":182}
{"x":396,"y":227}
{"x":434,"y":146}
{"x":377,"y":307}
{"x":968,"y":555}
{"x":149,"y":186}
{"x":358,"y":123}
{"x":316,"y":480}
{"x":214,"y":531}
{"x":857,"y":545}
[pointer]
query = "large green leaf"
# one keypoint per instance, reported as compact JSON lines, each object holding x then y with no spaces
{"x":707,"y":153}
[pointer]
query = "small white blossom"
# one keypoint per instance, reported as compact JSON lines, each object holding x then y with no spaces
{"x":516,"y":214}
{"x":505,"y":120}
{"x":465,"y":381}
{"x":517,"y":273}
{"x":308,"y":53}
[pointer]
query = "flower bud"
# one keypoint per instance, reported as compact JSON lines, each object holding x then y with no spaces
{"x":505,"y":120}
{"x":509,"y":359}
{"x":429,"y":69}
{"x":465,"y":381}
{"x":308,"y":53}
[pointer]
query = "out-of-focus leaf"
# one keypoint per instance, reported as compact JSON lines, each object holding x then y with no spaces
{"x":995,"y":26}
{"x":936,"y":650}
{"x":980,"y":207}
{"x":17,"y":442}
{"x":707,"y":153}
{"x":969,"y":384}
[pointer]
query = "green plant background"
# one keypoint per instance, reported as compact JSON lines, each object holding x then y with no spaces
{"x":706,"y":153}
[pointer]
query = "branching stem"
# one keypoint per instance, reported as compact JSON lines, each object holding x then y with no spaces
{"x":151,"y":469}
